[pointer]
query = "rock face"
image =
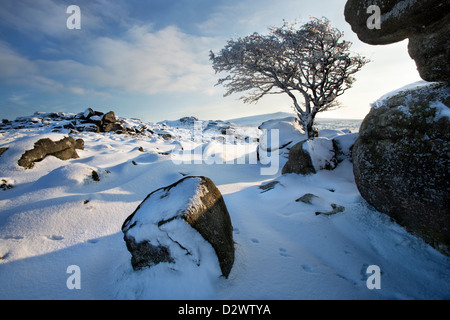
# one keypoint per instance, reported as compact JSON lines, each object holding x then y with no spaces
{"x":401,"y":161}
{"x":426,"y":23}
{"x":64,"y":149}
{"x":178,"y":221}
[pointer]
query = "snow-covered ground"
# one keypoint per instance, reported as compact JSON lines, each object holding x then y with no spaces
{"x":55,"y":216}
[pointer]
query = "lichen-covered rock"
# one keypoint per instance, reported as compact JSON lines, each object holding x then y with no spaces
{"x":177,"y":222}
{"x":425,"y":22}
{"x":64,"y":149}
{"x":431,"y":51}
{"x":401,"y":161}
{"x":399,"y":18}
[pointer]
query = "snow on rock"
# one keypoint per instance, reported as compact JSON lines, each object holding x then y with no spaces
{"x":177,"y":225}
{"x":290,"y":132}
{"x":278,"y":136}
{"x":344,"y":145}
{"x":442,"y":111}
{"x":69,"y":176}
{"x":322,"y":154}
{"x":311,"y":156}
{"x":405,"y":89}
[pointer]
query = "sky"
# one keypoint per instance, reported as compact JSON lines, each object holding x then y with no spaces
{"x":150,"y":59}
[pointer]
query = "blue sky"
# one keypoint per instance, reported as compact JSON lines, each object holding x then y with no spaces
{"x":149,"y":59}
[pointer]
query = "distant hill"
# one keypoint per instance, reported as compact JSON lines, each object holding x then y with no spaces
{"x":258,"y":119}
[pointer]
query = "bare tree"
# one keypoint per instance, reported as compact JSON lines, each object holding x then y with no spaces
{"x":310,"y":63}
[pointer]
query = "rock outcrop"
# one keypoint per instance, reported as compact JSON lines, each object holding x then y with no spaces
{"x":426,"y":23}
{"x":402,"y":158}
{"x":176,"y":222}
{"x":64,"y":149}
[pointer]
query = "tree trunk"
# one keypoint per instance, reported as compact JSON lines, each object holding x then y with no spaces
{"x":307,"y":121}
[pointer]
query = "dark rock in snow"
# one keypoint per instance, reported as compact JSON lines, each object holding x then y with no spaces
{"x":161,"y":226}
{"x":269,"y":186}
{"x":402,"y":158}
{"x":299,"y":161}
{"x":307,"y":198}
{"x":2,"y":150}
{"x":109,"y":117}
{"x":63,"y":149}
{"x":310,"y":156}
{"x":95,"y":176}
{"x":336,"y":209}
{"x":79,"y":144}
{"x":88,"y":113}
{"x":5,"y":184}
{"x":114,"y":127}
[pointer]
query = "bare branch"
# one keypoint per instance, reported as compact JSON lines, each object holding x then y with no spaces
{"x":311,"y":60}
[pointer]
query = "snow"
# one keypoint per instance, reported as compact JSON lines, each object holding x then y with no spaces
{"x":442,"y":111}
{"x":56,"y":216}
{"x":416,"y":85}
{"x":321,"y":151}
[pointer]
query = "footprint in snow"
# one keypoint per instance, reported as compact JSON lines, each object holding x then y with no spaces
{"x":307,"y":268}
{"x":8,"y":237}
{"x":55,"y":237}
{"x":254,"y":240}
{"x":283,"y":253}
{"x":93,"y":241}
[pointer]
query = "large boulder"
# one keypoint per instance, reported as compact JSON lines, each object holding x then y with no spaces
{"x":64,"y":149}
{"x":401,"y":161}
{"x":426,"y":23}
{"x":179,"y":221}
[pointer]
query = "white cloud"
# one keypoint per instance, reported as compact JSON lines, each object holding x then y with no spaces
{"x":166,"y":60}
{"x":142,"y":61}
{"x":19,"y":70}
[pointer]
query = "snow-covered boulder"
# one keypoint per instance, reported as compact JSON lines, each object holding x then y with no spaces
{"x":310,"y":156}
{"x":181,"y":224}
{"x":402,"y":158}
{"x":279,"y":135}
{"x":290,"y":132}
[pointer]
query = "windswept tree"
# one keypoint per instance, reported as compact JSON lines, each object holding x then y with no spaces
{"x":310,"y":63}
